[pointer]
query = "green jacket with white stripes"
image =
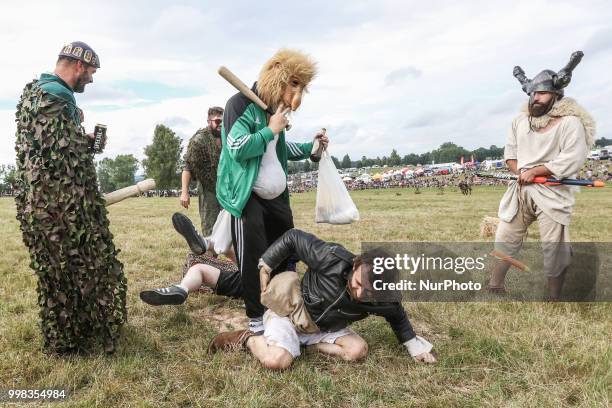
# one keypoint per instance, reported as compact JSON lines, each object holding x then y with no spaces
{"x":244,"y":138}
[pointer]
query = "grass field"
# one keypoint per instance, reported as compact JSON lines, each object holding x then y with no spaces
{"x":490,"y":354}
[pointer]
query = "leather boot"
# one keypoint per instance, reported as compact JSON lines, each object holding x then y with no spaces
{"x":227,"y":341}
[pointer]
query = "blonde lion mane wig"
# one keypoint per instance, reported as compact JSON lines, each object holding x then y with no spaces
{"x":277,"y":71}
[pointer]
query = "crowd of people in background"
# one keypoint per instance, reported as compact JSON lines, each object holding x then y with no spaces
{"x":443,"y":181}
{"x":591,"y":171}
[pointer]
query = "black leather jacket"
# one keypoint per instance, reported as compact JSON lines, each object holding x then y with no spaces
{"x":324,"y":286}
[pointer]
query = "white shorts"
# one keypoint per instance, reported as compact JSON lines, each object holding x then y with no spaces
{"x":280,"y":332}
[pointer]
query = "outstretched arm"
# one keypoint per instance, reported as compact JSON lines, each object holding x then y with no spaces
{"x":185,"y":180}
{"x":417,"y":346}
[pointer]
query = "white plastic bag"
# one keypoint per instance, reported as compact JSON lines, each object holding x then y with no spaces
{"x":222,"y":233}
{"x":334,"y":204}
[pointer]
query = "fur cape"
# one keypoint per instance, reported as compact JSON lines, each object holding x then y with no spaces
{"x":277,"y":71}
{"x":567,"y":107}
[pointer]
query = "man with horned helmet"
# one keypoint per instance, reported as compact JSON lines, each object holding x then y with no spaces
{"x":550,"y":138}
{"x":252,"y":172}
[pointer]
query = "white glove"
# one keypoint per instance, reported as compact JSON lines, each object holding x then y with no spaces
{"x":418,"y":345}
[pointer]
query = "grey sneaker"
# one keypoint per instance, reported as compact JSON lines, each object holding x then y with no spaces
{"x":183,"y":225}
{"x":256,"y":325}
{"x":172,"y":295}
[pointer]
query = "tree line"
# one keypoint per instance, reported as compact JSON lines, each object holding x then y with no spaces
{"x":446,"y":153}
{"x":7,"y":178}
{"x":163,"y":162}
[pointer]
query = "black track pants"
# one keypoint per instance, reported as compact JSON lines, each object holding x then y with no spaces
{"x":261,"y":223}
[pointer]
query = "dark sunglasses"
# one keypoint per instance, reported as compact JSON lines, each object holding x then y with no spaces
{"x":216,"y":121}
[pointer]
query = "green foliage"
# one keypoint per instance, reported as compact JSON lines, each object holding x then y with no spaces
{"x":293,"y":167}
{"x":62,"y":215}
{"x":117,"y":173}
{"x":336,"y":162}
{"x":603,"y":142}
{"x":163,"y":158}
{"x":346,"y":162}
{"x":105,"y":175}
{"x":125,"y":170}
{"x":7,"y":178}
{"x":394,"y":159}
{"x":301,"y":166}
{"x":447,"y":152}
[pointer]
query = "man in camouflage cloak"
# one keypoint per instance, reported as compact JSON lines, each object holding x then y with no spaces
{"x":201,"y":161}
{"x":81,"y":285}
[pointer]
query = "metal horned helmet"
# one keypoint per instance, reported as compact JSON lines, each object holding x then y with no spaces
{"x":549,"y":80}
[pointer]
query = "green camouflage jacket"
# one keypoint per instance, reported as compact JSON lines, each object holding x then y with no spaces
{"x":202,"y":158}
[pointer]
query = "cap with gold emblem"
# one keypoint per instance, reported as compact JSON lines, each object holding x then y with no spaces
{"x":80,"y":51}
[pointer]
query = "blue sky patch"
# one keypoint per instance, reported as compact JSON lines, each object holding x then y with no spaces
{"x":155,"y":91}
{"x":123,"y":94}
{"x":8,"y":104}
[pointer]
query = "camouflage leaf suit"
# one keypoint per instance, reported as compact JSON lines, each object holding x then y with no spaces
{"x":202,"y":159}
{"x":81,"y":285}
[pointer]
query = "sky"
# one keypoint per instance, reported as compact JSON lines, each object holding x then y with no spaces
{"x":404,"y":75}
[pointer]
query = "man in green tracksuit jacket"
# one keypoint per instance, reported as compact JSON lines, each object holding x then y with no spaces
{"x":252,"y":172}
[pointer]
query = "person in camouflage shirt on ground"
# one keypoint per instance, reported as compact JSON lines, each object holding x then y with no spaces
{"x":201,"y":161}
{"x":81,"y":285}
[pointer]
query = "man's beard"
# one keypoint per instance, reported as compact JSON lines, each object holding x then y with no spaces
{"x":216,"y":132}
{"x":79,"y":86}
{"x":537,"y":110}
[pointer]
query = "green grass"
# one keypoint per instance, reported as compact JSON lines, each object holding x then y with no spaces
{"x":490,"y":354}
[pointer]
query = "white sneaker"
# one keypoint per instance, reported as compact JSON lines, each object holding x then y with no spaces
{"x":256,"y":325}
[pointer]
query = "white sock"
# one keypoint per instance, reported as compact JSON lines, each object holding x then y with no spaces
{"x":180,"y":285}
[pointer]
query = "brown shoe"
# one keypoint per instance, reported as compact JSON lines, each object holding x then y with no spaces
{"x":227,"y":341}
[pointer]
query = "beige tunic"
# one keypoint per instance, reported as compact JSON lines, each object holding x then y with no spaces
{"x":562,"y":149}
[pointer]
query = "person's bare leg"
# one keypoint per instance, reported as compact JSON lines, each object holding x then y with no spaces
{"x":200,"y":274}
{"x":498,"y":276}
{"x":272,"y":357}
{"x":351,"y":347}
{"x":195,"y":277}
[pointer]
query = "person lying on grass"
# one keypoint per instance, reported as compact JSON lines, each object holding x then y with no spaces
{"x":316,"y":315}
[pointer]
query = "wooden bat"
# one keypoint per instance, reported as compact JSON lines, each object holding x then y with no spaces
{"x":242,"y":88}
{"x":245,"y":90}
{"x":131,"y":191}
{"x":506,"y":258}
